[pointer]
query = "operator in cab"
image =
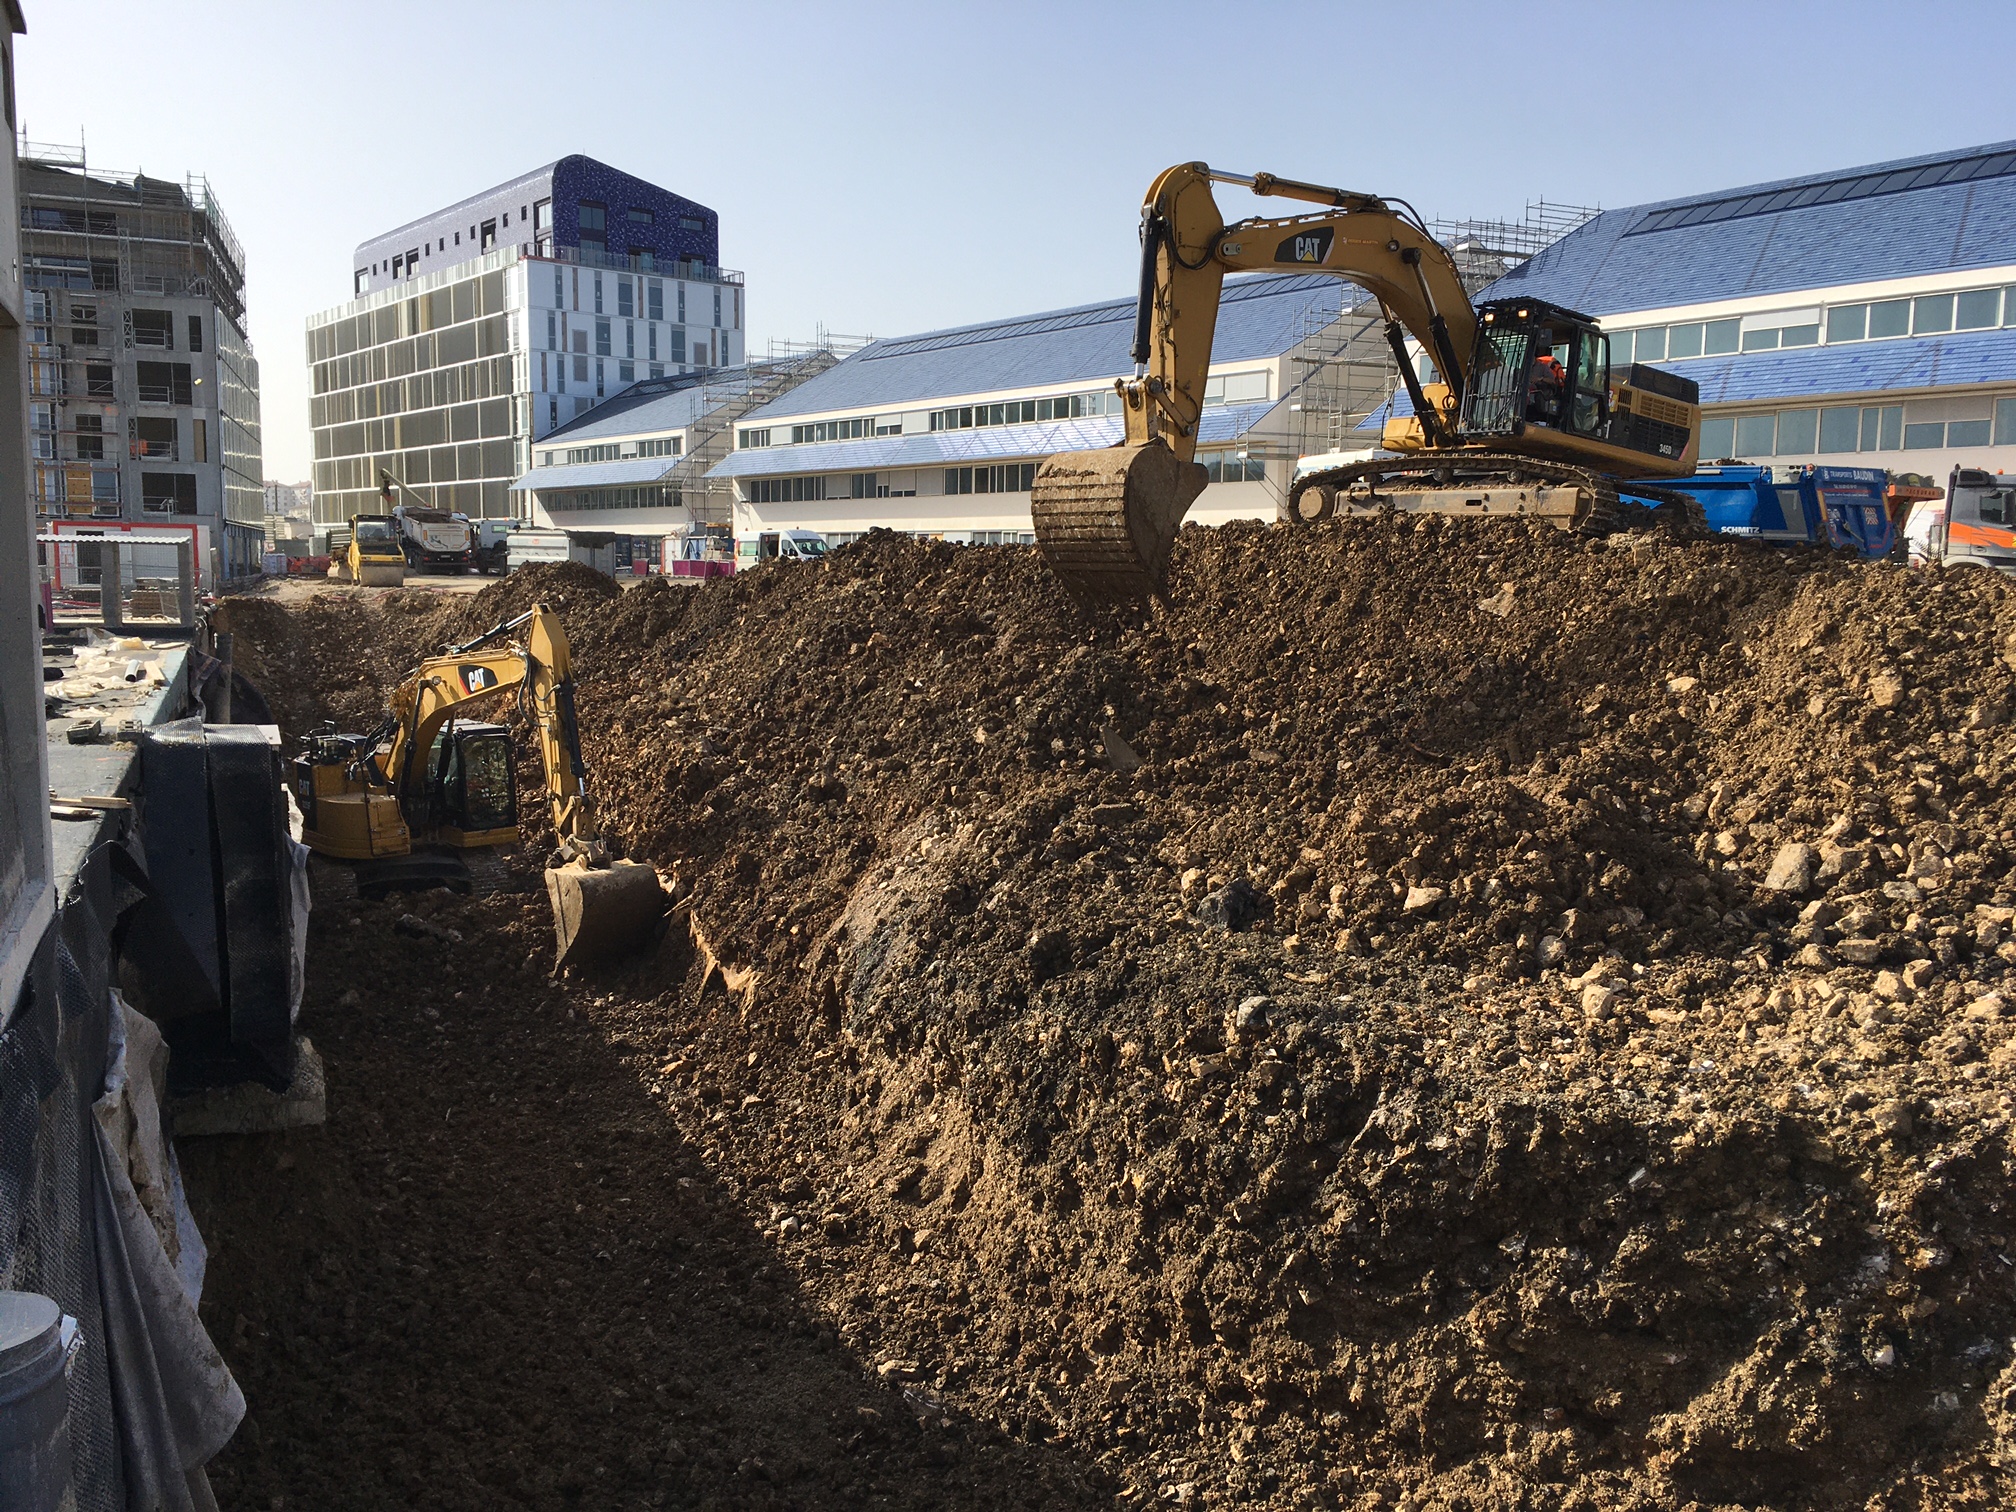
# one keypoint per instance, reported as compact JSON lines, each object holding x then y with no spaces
{"x":1546,"y":389}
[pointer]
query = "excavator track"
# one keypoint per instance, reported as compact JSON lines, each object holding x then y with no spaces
{"x":1466,"y":484}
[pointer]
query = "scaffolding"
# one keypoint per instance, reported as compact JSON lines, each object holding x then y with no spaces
{"x":728,"y":394}
{"x":1486,"y":250}
{"x":169,"y":237}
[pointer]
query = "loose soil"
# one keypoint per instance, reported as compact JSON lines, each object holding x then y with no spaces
{"x":1435,"y":1015}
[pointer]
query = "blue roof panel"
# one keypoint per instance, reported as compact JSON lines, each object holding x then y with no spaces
{"x":653,"y":405}
{"x":597,"y":474}
{"x":1261,"y":315}
{"x":993,"y":443}
{"x":1949,"y":213}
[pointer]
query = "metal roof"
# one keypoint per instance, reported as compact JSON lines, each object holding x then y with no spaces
{"x":597,"y":474}
{"x":1919,"y":362}
{"x":1943,"y":212}
{"x":1261,"y":315}
{"x":992,"y":443}
{"x":651,"y":406}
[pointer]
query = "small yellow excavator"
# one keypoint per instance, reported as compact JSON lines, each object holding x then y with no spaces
{"x":430,"y":776}
{"x":1522,"y":414}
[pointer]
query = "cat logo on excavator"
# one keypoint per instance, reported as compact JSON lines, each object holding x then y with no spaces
{"x":476,"y":678}
{"x":1307,"y":247}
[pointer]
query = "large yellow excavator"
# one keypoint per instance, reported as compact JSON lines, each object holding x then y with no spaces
{"x":433,"y":777}
{"x":1521,"y":415}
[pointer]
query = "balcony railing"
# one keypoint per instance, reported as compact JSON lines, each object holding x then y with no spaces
{"x":692,"y":272}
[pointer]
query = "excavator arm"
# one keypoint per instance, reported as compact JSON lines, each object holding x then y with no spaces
{"x":1107,"y":519}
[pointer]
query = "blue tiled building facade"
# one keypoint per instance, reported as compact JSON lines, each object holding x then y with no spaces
{"x":576,"y":209}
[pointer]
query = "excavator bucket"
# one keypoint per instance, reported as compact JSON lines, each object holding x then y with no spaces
{"x":1106,"y":520}
{"x":602,"y":912}
{"x":381,"y":575}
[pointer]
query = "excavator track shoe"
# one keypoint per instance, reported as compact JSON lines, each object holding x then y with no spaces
{"x":602,"y":912}
{"x":1106,"y":520}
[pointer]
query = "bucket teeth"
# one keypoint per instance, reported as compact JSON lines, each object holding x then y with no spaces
{"x":1106,"y":521}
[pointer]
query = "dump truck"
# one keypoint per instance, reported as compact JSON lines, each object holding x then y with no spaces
{"x":1974,"y":526}
{"x":1842,"y":507}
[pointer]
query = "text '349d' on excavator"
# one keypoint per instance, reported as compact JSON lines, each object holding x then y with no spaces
{"x":430,"y":784}
{"x":1525,"y":416}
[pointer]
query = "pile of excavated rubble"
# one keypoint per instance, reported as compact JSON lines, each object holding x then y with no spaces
{"x":1434,"y":1015}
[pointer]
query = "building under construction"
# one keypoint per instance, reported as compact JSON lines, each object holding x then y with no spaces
{"x":143,"y":390}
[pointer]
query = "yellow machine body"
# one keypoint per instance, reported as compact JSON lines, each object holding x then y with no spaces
{"x":1106,"y":521}
{"x":430,"y":775}
{"x":375,"y":558}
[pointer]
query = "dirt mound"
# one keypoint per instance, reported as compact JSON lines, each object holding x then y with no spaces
{"x":1435,"y":1012}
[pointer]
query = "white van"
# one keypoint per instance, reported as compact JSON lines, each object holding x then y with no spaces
{"x":779,"y":545}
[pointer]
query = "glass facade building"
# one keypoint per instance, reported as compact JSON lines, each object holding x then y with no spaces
{"x":485,"y":326}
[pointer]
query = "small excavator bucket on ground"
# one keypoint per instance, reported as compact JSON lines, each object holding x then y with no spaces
{"x":1106,"y":520}
{"x":602,"y":912}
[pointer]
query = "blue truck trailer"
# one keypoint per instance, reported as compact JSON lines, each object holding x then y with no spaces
{"x":1793,"y":506}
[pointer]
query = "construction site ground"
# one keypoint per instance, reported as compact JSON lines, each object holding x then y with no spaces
{"x":1436,"y":1015}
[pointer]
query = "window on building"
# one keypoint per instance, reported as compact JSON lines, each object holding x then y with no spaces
{"x":682,"y":304}
{"x":675,"y":346}
{"x":692,"y":223}
{"x":626,"y":372}
{"x":833,"y":430}
{"x":195,"y":333}
{"x":641,"y":217}
{"x":104,"y":273}
{"x":1890,"y":317}
{"x":602,"y":338}
{"x":629,"y":338}
{"x":660,"y":446}
{"x":1235,"y":388}
{"x":717,"y":306}
{"x":1012,"y":477}
{"x":651,"y":341}
{"x":357,"y":281}
{"x":654,"y":299}
{"x":1233,"y":467}
{"x":750,"y":439}
{"x":598,"y":293}
{"x":786,"y":490}
{"x":624,"y":304}
{"x":164,"y":383}
{"x":489,"y":235}
{"x":601,"y":374}
{"x":1798,"y":432}
{"x":154,"y":436}
{"x":168,"y":493}
{"x":153,"y":328}
{"x":98,"y":380}
{"x":542,"y":215}
{"x":580,"y":368}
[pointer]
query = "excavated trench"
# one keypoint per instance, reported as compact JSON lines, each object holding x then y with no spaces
{"x":1434,"y":1015}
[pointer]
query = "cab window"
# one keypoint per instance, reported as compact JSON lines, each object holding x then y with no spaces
{"x":1996,"y":507}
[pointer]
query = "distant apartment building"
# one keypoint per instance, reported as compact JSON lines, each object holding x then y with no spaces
{"x":477,"y":330}
{"x":143,"y":392}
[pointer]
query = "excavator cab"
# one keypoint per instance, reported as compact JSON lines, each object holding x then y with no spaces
{"x":1536,"y":364}
{"x":473,"y":797}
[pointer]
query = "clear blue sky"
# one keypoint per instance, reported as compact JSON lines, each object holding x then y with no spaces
{"x":893,"y":168}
